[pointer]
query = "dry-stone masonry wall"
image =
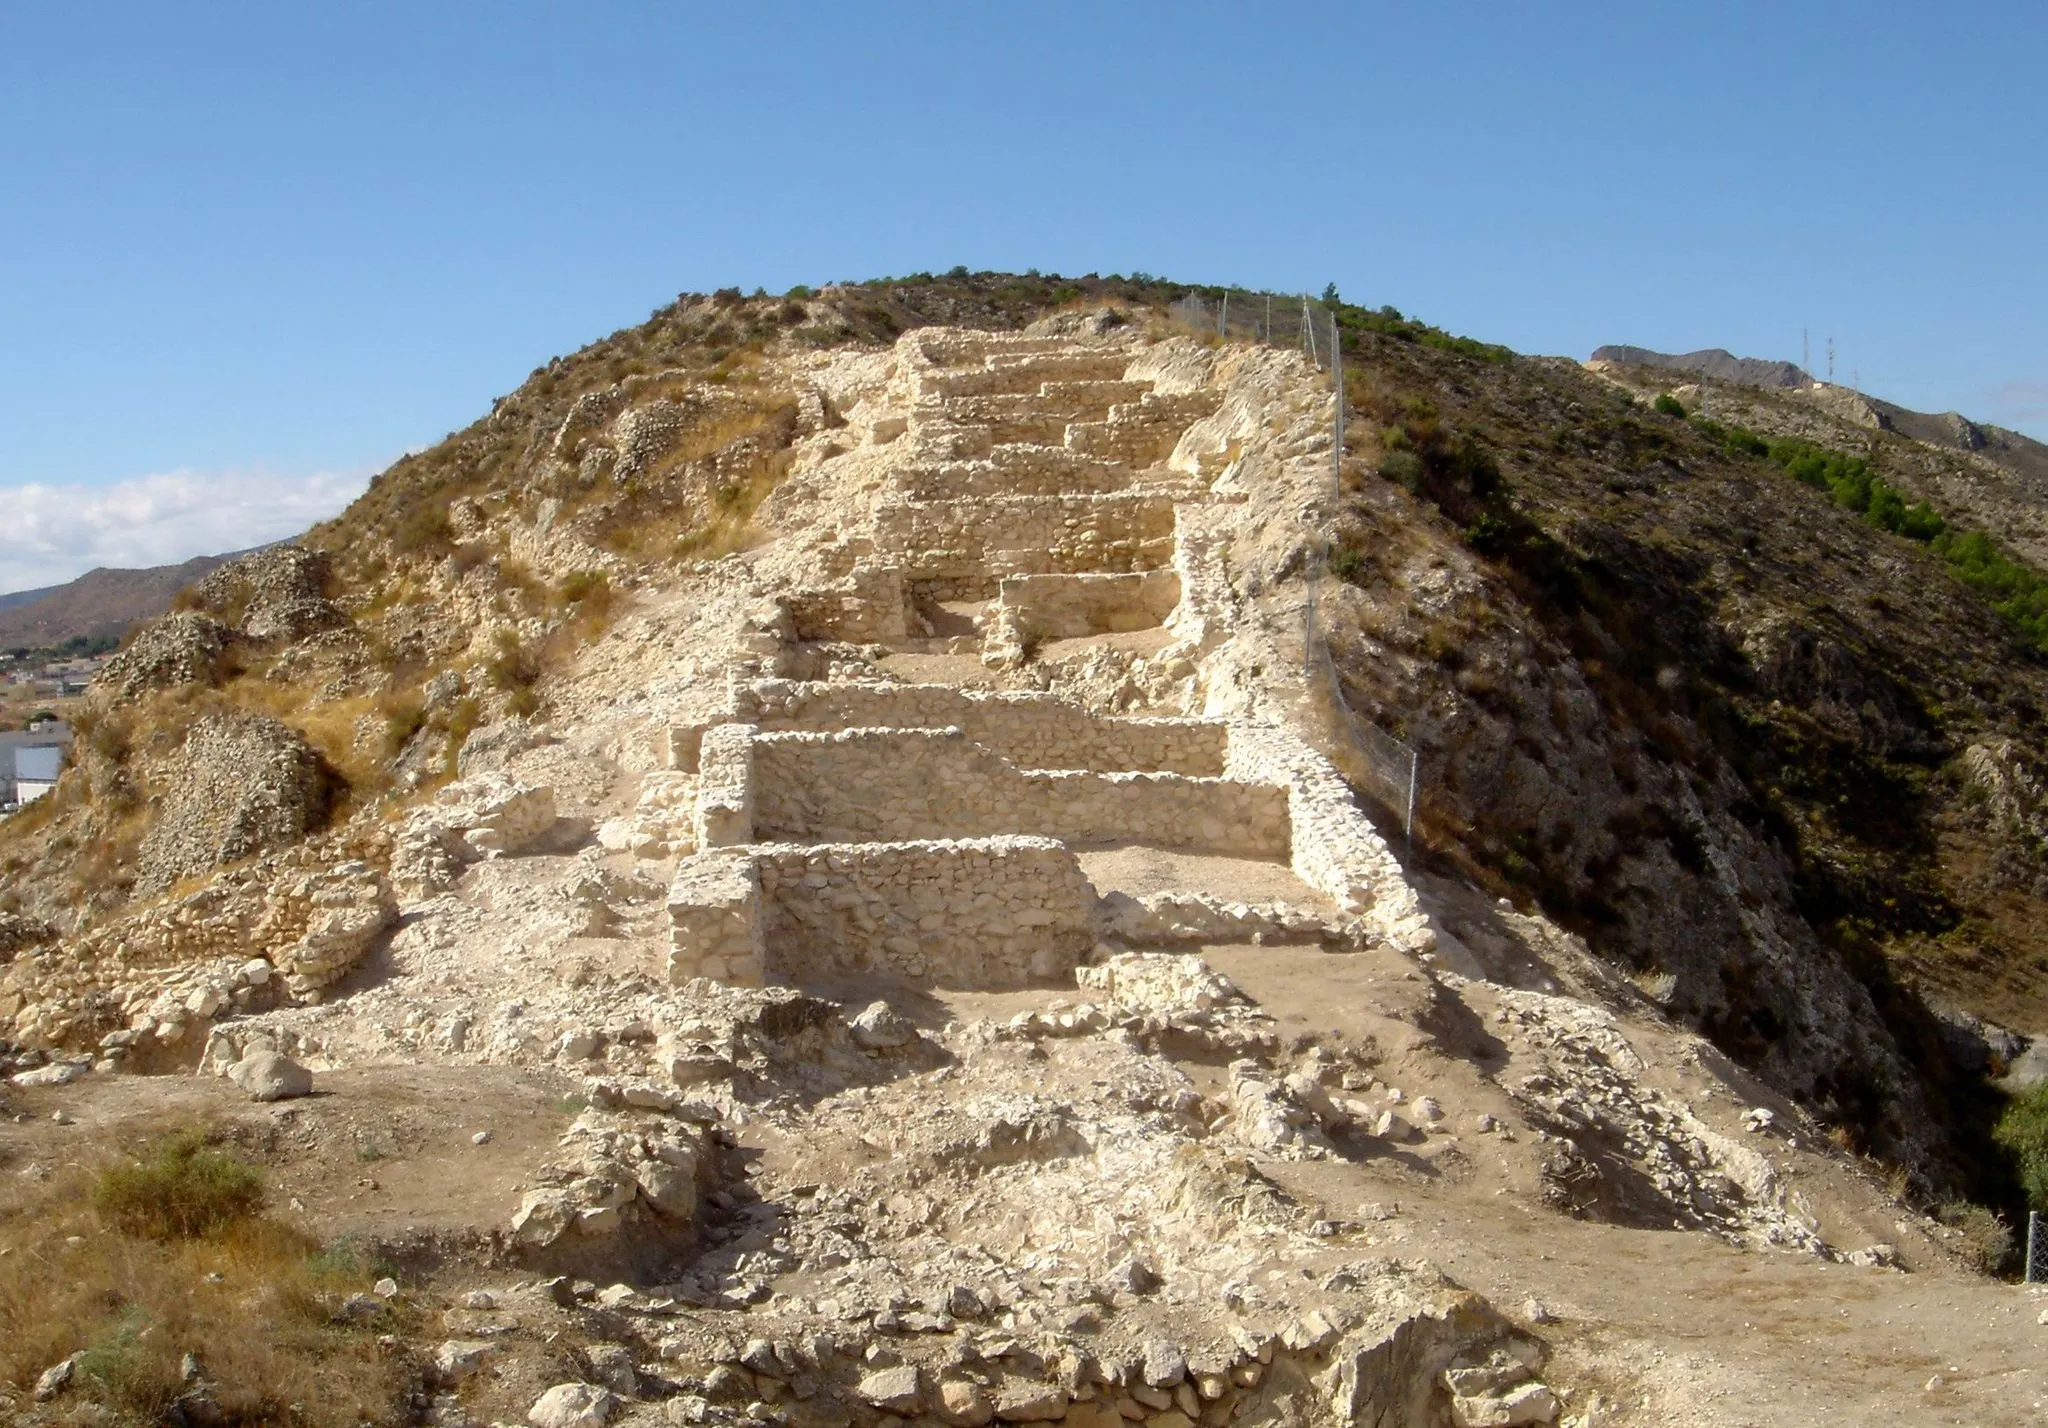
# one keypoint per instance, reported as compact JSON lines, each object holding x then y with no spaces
{"x":1032,"y":731}
{"x":974,"y":913}
{"x":725,"y":786}
{"x":894,"y":784}
{"x":1025,"y":535}
{"x":1336,"y":850}
{"x":714,"y":908}
{"x":1059,"y":607}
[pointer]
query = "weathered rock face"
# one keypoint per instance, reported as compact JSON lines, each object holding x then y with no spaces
{"x":239,"y":786}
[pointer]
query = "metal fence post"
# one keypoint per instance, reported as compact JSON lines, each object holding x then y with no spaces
{"x":2033,"y":1240}
{"x":1414,"y":777}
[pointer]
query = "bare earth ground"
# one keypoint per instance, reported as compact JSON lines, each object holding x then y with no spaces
{"x":1651,"y":1326}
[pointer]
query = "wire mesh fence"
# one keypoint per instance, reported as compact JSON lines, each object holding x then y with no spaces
{"x":1386,"y":767}
{"x":1278,"y":319}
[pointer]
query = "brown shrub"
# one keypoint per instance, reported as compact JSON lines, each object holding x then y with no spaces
{"x":256,"y":1301}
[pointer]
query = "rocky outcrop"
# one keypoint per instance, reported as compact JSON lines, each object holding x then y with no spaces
{"x":239,"y":786}
{"x":182,"y":648}
{"x":273,"y":596}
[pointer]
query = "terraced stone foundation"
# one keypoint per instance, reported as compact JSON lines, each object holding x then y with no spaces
{"x":1032,"y":493}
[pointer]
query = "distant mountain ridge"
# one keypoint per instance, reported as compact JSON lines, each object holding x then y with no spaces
{"x":99,"y":602}
{"x":2011,"y":449}
{"x":1715,"y":362}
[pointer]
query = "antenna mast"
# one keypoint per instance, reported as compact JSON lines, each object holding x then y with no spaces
{"x":1831,"y":361}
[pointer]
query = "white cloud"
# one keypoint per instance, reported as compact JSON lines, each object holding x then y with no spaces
{"x":50,"y":534}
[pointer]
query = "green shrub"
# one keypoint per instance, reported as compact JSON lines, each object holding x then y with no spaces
{"x":1350,"y":565}
{"x":1669,"y":405}
{"x":1404,"y":468}
{"x":183,"y":1191}
{"x":2022,"y":1130}
{"x":2015,"y":590}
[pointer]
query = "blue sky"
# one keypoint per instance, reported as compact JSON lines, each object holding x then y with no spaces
{"x":250,"y":253}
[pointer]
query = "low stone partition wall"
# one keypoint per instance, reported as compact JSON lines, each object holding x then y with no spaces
{"x":984,"y":914}
{"x":1026,"y":374}
{"x":1064,"y":607}
{"x":1014,"y":470}
{"x":1031,"y":730}
{"x":988,"y":913}
{"x":894,"y":784}
{"x":1336,"y":849}
{"x":725,"y":786}
{"x":1119,"y":531}
{"x":1141,"y":433}
{"x":868,"y":607}
{"x":715,"y":924}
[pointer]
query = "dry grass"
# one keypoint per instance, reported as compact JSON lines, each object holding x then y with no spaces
{"x":730,"y":526}
{"x":254,"y":1300}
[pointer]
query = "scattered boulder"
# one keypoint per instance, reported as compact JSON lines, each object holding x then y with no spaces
{"x":964,"y":1404}
{"x":573,"y":1405}
{"x":612,"y":1366}
{"x":458,"y":1359}
{"x":880,"y":1027}
{"x":56,"y":1073}
{"x":893,"y":1390}
{"x":55,"y":1379}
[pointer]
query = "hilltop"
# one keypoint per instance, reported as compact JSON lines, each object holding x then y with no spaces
{"x":824,"y":873}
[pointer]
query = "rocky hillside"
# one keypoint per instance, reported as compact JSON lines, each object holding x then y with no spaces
{"x":813,"y":843}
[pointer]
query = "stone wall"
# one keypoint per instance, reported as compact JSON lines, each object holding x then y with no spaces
{"x":1013,"y":471}
{"x":1032,"y":731}
{"x":1120,"y":531}
{"x":981,"y":913}
{"x":725,"y":787}
{"x":1061,"y":607}
{"x":986,"y":913}
{"x":1336,"y":849}
{"x":1141,"y":433}
{"x":1023,"y":373}
{"x":714,"y":909}
{"x":867,"y":607}
{"x":898,"y":784}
